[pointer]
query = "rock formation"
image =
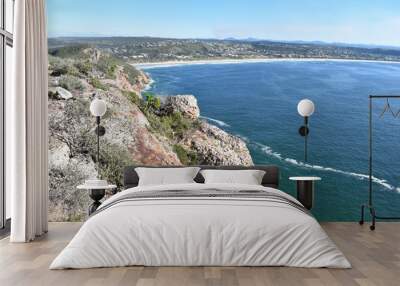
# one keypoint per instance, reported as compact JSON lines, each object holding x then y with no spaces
{"x":216,"y":147}
{"x":186,"y":104}
{"x":63,"y":93}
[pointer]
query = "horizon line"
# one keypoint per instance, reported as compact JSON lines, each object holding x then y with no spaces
{"x":245,"y":39}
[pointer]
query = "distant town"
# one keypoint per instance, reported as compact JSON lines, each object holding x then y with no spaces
{"x":147,"y":49}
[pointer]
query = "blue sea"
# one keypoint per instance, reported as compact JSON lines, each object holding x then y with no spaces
{"x":258,"y":102}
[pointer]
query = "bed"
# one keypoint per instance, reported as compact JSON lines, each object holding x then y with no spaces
{"x":198,"y":224}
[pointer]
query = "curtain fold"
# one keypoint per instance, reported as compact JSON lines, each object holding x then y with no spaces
{"x":27,"y":145}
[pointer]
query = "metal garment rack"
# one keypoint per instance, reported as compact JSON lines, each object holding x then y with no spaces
{"x":369,"y":205}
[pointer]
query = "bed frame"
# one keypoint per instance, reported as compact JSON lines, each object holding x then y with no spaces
{"x":270,"y":179}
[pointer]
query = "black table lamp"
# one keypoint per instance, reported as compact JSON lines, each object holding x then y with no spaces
{"x":306,"y":109}
{"x":98,"y":108}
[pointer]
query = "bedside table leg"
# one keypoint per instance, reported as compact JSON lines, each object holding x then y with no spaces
{"x":305,"y":193}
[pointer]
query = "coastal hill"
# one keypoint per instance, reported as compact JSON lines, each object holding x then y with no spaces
{"x":141,"y":128}
{"x":147,"y":49}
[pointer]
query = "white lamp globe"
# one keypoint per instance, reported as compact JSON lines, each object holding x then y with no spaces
{"x":305,"y":107}
{"x":98,"y":107}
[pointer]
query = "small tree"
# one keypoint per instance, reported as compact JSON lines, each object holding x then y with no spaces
{"x":153,"y":102}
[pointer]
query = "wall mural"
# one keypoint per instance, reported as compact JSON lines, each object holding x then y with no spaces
{"x":216,"y":100}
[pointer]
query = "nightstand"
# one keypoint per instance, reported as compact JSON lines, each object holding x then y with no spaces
{"x":96,"y":193}
{"x":305,"y":190}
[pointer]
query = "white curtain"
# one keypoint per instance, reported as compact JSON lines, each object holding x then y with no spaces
{"x":26,"y":127}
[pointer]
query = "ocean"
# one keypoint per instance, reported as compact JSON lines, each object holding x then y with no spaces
{"x":258,"y":102}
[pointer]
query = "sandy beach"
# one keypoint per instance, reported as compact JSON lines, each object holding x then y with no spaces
{"x":151,"y":65}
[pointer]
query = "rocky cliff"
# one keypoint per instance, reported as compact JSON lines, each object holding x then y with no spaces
{"x":140,"y":128}
{"x":212,"y":145}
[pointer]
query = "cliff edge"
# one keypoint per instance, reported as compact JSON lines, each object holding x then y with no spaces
{"x":141,"y":128}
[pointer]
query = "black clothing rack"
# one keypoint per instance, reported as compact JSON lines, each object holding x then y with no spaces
{"x":370,"y":205}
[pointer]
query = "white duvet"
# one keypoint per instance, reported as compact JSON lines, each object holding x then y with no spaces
{"x":200,"y":231}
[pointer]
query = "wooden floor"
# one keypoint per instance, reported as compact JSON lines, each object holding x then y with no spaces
{"x":375,"y":257}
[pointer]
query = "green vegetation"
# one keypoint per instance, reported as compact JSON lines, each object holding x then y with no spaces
{"x":80,"y":60}
{"x":71,"y":83}
{"x":131,"y":73}
{"x":96,"y":83}
{"x":69,"y":51}
{"x":73,"y":126}
{"x":108,"y":65}
{"x":79,"y":67}
{"x":68,"y":203}
{"x":84,"y":67}
{"x":113,"y":160}
{"x":172,"y":126}
{"x":53,"y":95}
{"x":145,"y":49}
{"x":153,"y":103}
{"x":186,"y":157}
{"x":61,"y":67}
{"x":134,"y":98}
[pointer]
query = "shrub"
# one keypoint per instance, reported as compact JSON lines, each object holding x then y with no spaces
{"x":69,"y":51}
{"x":66,"y":203}
{"x":58,"y":69}
{"x":84,"y":67}
{"x":113,"y":159}
{"x":53,"y":95}
{"x":61,"y":67}
{"x":186,"y":157}
{"x":153,"y":103}
{"x":178,"y":124}
{"x":73,"y":126}
{"x":172,"y":126}
{"x":71,"y":83}
{"x":96,"y":83}
{"x":107,"y":65}
{"x":134,"y":98}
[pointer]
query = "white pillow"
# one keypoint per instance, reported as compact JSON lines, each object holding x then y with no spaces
{"x":166,"y":176}
{"x":248,"y":177}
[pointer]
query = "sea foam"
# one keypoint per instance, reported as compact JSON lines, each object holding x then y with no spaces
{"x":149,"y":85}
{"x":268,"y":150}
{"x":216,"y":121}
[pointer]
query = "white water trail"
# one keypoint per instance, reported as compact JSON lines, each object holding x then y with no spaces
{"x":268,"y":150}
{"x":218,"y":122}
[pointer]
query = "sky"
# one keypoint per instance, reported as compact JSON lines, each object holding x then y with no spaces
{"x":348,"y":21}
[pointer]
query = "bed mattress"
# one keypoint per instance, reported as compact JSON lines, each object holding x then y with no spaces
{"x":201,"y":225}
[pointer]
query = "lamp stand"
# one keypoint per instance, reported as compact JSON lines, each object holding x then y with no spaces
{"x":306,"y":139}
{"x":98,"y":143}
{"x":304,"y":130}
{"x":100,"y":131}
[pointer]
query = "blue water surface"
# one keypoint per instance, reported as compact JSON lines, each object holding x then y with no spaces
{"x":258,"y":101}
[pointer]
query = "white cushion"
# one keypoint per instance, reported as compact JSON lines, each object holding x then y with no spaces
{"x":166,"y":176}
{"x":248,"y":177}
